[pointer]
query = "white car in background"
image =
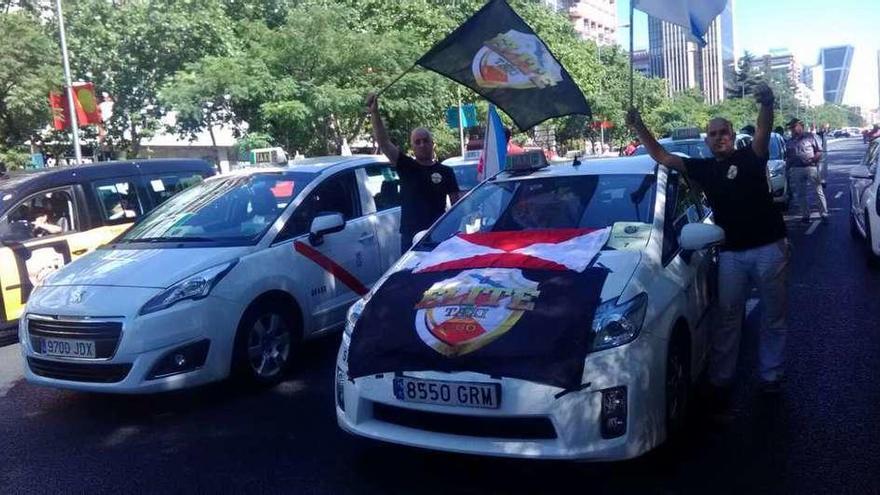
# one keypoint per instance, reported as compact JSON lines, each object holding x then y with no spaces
{"x":864,"y":215}
{"x":227,"y":277}
{"x":649,"y":331}
{"x":465,"y":168}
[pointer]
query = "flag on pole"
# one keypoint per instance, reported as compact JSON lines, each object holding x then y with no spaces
{"x":85,"y":102}
{"x":694,"y":16}
{"x":494,"y":147}
{"x":496,"y":54}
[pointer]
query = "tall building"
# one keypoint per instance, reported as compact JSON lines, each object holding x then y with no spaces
{"x":642,"y":62}
{"x":782,"y":64}
{"x":595,"y":20}
{"x":684,"y":65}
{"x":836,"y":62}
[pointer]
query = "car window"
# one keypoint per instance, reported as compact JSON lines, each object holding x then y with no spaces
{"x":118,"y":201}
{"x":586,"y":201}
{"x":44,"y":214}
{"x":872,"y":157}
{"x":337,"y":194}
{"x":233,"y":209}
{"x":383,"y":183}
{"x":683,"y":206}
{"x":466,"y":176}
{"x":162,"y":187}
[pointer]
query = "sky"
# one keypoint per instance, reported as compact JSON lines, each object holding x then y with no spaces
{"x":802,"y":27}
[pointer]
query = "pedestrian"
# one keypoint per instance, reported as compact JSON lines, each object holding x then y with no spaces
{"x":779,"y":130}
{"x":748,"y":129}
{"x":822,"y":133}
{"x":803,"y":156}
{"x":512,"y":147}
{"x":631,"y":148}
{"x":424,"y":182}
{"x":755,"y":251}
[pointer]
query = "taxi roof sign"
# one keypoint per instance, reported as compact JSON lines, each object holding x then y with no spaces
{"x":686,"y":133}
{"x":526,"y":161}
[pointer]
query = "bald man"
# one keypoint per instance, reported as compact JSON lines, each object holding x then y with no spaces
{"x":756,"y":249}
{"x":424,"y":182}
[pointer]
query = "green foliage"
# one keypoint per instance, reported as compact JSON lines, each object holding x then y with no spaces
{"x":28,"y":71}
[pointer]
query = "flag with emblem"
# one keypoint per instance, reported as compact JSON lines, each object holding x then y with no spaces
{"x":496,"y":54}
{"x":511,"y":304}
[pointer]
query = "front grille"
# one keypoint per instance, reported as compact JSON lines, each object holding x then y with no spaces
{"x":79,"y":372}
{"x":105,"y":334}
{"x":520,"y":428}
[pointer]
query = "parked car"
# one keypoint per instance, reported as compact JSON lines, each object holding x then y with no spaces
{"x":50,"y":217}
{"x":864,"y":214}
{"x":228,"y":277}
{"x":465,"y":168}
{"x":645,"y":347}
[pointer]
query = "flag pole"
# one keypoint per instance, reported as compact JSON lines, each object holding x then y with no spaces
{"x":398,"y":78}
{"x":632,"y":69}
{"x":74,"y":126}
{"x":460,"y":120}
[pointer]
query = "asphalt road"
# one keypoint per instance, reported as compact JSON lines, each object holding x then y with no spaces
{"x":821,"y":436}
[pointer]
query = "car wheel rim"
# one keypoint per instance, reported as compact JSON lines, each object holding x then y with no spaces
{"x":675,"y":387}
{"x":268,"y":345}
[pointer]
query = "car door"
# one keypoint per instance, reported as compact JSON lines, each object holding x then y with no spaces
{"x":862,"y":181}
{"x":693,"y":272}
{"x":381,"y":189}
{"x":336,"y":269}
{"x":41,"y":233}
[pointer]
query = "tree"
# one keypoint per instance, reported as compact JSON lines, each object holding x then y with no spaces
{"x":748,"y":75}
{"x":28,"y":71}
{"x":129,"y":49}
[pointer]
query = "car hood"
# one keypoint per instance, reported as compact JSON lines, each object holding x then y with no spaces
{"x":621,"y":264}
{"x":149,"y":268}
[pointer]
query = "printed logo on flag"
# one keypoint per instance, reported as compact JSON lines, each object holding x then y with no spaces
{"x":464,"y":313}
{"x":515,"y":60}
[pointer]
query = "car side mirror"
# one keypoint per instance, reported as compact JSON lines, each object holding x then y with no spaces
{"x":325,"y":224}
{"x":419,"y":236}
{"x":699,"y":236}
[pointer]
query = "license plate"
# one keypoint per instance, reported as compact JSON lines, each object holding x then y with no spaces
{"x":462,"y":394}
{"x":68,"y":348}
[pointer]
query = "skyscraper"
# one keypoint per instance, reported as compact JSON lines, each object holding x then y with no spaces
{"x":836,"y":62}
{"x":595,"y":20}
{"x":684,"y":65}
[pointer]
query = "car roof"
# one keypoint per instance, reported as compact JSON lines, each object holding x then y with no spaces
{"x":313,"y":165}
{"x":458,"y":161}
{"x":636,"y":165}
{"x":27,"y":181}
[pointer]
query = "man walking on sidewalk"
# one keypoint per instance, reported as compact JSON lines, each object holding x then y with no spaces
{"x":804,"y":156}
{"x":756,"y":250}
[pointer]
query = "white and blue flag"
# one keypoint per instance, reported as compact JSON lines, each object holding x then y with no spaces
{"x":695,"y":16}
{"x":494,"y":147}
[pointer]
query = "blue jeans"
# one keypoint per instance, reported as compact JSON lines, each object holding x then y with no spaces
{"x":767,"y":268}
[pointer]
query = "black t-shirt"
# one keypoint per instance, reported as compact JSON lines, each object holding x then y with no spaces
{"x":740,"y":197}
{"x":423,"y":191}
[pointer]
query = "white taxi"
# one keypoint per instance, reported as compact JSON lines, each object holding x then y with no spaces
{"x":473,"y":358}
{"x":864,"y":215}
{"x":226,"y":277}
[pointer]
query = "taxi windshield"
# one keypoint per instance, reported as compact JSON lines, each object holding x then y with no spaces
{"x":238,"y":209}
{"x":586,"y":201}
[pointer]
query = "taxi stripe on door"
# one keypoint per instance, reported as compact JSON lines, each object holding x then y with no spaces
{"x":332,"y":267}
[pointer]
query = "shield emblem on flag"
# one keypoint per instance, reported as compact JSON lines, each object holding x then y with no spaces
{"x":459,"y":315}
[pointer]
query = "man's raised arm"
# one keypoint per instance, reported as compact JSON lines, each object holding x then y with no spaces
{"x":761,"y":142}
{"x":379,"y":133}
{"x":655,"y":149}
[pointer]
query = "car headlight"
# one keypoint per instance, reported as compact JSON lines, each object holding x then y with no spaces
{"x":196,"y":286}
{"x":618,"y":324}
{"x":354,"y":313}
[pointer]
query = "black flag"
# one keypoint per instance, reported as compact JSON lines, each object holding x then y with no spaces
{"x":497,"y":54}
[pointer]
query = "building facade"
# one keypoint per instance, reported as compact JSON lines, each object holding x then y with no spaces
{"x":836,"y":62}
{"x":642,"y":62}
{"x":595,"y":20}
{"x":684,"y":65}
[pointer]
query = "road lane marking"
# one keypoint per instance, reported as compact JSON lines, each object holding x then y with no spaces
{"x":812,"y":227}
{"x":10,"y":368}
{"x":838,"y":195}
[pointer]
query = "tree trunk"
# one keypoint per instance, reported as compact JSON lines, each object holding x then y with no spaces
{"x":210,"y":126}
{"x":135,"y":139}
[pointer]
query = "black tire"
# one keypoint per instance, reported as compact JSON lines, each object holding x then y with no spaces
{"x":269,"y":334}
{"x":678,"y":384}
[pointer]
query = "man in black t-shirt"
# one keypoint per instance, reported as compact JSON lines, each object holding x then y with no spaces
{"x":755,"y":251}
{"x":424,"y":182}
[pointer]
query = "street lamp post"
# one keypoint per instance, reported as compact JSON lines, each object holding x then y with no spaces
{"x":74,"y":125}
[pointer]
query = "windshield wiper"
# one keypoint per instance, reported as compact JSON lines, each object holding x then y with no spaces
{"x":170,"y":239}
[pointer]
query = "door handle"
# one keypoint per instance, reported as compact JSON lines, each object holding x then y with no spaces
{"x":366,"y":236}
{"x":79,"y":252}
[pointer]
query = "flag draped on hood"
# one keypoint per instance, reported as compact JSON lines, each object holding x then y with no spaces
{"x":513,"y":304}
{"x":694,"y":16}
{"x":496,"y":54}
